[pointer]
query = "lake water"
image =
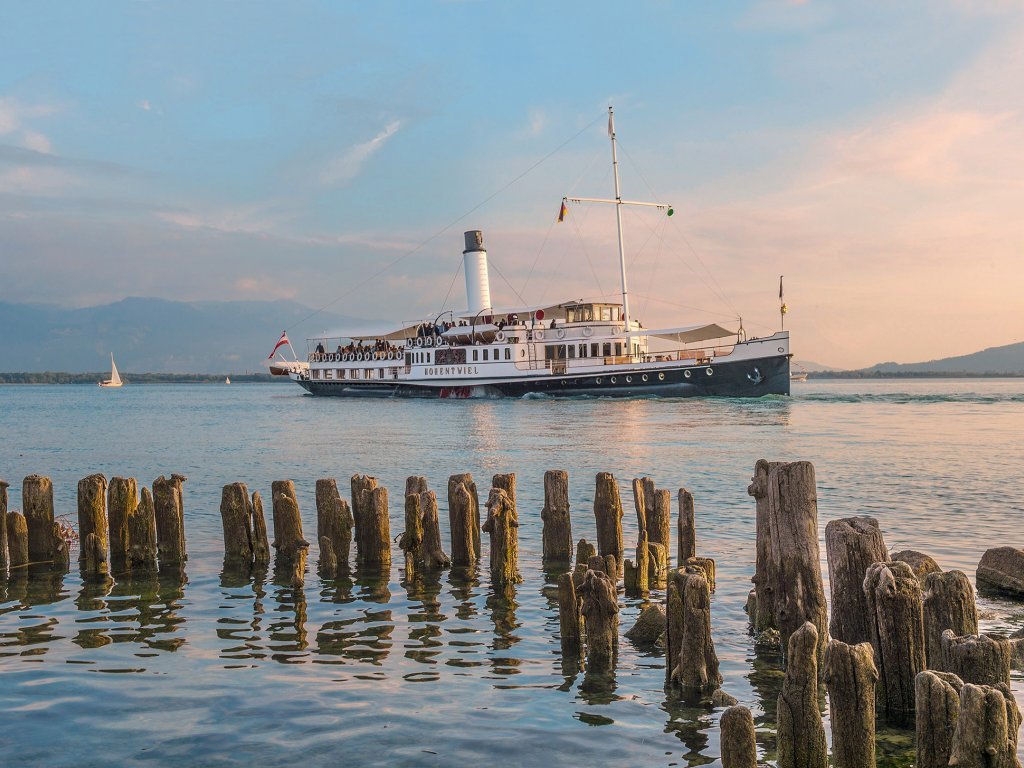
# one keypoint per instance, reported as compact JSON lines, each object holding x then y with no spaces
{"x":214,"y":670}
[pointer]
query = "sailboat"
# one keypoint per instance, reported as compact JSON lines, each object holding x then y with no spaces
{"x":227,"y":379}
{"x":115,"y":377}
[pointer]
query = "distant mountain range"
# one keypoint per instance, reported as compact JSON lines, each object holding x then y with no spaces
{"x":154,"y":335}
{"x":1007,"y":360}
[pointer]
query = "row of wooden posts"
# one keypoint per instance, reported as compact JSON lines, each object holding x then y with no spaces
{"x":902,"y":640}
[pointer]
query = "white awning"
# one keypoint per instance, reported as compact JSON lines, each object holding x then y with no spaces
{"x":687,"y":335}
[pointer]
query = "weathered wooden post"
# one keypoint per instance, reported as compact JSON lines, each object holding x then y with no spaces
{"x":92,"y":513}
{"x":328,"y":560}
{"x":236,"y":520}
{"x":142,"y":530}
{"x":94,"y":559}
{"x":948,"y":604}
{"x":473,"y":524}
{"x":690,"y":659}
{"x":706,"y":564}
{"x":643,"y":501}
{"x":897,"y":635}
{"x":584,"y":551}
{"x":801,"y":733}
{"x":333,"y":520}
{"x":635,"y":575}
{"x":600,"y":608}
{"x":411,"y":540}
{"x":763,"y":617}
{"x":986,"y":731}
{"x":288,"y":538}
{"x":569,"y":617}
{"x":433,"y":554}
{"x":608,"y":514}
{"x":377,"y":529}
{"x":507,"y":483}
{"x":976,"y":659}
{"x":260,"y":542}
{"x":503,"y":526}
{"x":920,"y":563}
{"x":798,"y":592}
{"x":659,"y":522}
{"x":37,"y":502}
{"x":460,"y":517}
{"x":4,"y":558}
{"x":686,"y":530}
{"x":557,"y":530}
{"x":937,"y":710}
{"x":851,"y":544}
{"x":17,"y":540}
{"x":169,"y":503}
{"x":850,"y":676}
{"x":122,"y":499}
{"x":739,"y":742}
{"x":359,"y":484}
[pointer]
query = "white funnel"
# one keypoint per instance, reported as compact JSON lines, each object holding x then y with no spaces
{"x":478,"y":287}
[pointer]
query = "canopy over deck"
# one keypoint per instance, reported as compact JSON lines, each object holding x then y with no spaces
{"x":688,"y":334}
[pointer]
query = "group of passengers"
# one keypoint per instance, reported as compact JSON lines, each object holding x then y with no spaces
{"x":380,"y":349}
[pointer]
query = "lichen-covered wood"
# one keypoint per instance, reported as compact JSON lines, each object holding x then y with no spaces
{"x":334,"y":519}
{"x":461,"y":523}
{"x":600,"y":608}
{"x":690,"y":659}
{"x":986,"y":731}
{"x":94,"y":559}
{"x":432,"y":553}
{"x":260,"y":542}
{"x":977,"y":659}
{"x":377,"y":526}
{"x":948,"y":604}
{"x":122,"y":498}
{"x":919,"y":562}
{"x":37,"y":504}
{"x":850,"y":677}
{"x":411,"y":539}
{"x":937,"y":711}
{"x":1002,"y":570}
{"x":851,"y":545}
{"x":236,"y":521}
{"x":169,"y":502}
{"x":635,"y":575}
{"x":739,"y":741}
{"x":142,"y":547}
{"x":328,"y":560}
{"x":17,"y":540}
{"x":466,"y":479}
{"x":557,"y":523}
{"x":649,"y":626}
{"x":288,"y":539}
{"x":764,"y":565}
{"x":640,"y":503}
{"x":608,"y":514}
{"x":657,"y":564}
{"x":570,"y":620}
{"x":897,"y":635}
{"x":584,"y":551}
{"x":659,"y":522}
{"x":801,"y":733}
{"x":359,"y":485}
{"x":707,"y":565}
{"x":507,"y":483}
{"x":92,"y":512}
{"x":686,"y":530}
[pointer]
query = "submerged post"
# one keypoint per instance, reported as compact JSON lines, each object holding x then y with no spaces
{"x":260,"y":542}
{"x":411,"y":540}
{"x":569,"y":618}
{"x":359,"y":484}
{"x":92,"y":513}
{"x":851,"y":544}
{"x":334,"y":520}
{"x":686,"y":532}
{"x":473,"y":524}
{"x":739,"y":742}
{"x":169,"y":503}
{"x":377,"y":527}
{"x":801,"y":733}
{"x":948,"y":604}
{"x":659,"y":522}
{"x":122,"y":499}
{"x":502,"y":525}
{"x":142,"y":530}
{"x":608,"y":514}
{"x":986,"y":731}
{"x":4,"y":559}
{"x":236,"y":520}
{"x":850,"y":676}
{"x":288,"y":539}
{"x":460,"y":518}
{"x":690,"y":659}
{"x":37,"y":502}
{"x":600,"y":608}
{"x":557,"y":530}
{"x":17,"y":540}
{"x":937,"y":708}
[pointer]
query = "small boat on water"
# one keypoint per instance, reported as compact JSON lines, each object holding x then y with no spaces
{"x":799,"y":374}
{"x":115,"y":377}
{"x":570,"y":348}
{"x":227,"y":379}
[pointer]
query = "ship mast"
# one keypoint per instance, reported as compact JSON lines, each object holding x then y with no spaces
{"x":619,"y":202}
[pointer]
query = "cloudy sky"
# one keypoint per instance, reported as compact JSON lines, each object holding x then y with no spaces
{"x":333,"y":153}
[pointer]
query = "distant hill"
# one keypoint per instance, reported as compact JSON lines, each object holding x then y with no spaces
{"x":1008,"y":359}
{"x":810,"y":366}
{"x":154,"y":335}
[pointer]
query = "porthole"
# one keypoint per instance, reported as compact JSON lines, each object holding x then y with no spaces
{"x":685,"y":373}
{"x":709,"y":372}
{"x":613,"y":379}
{"x":644,"y":377}
{"x":598,"y":380}
{"x":781,"y":349}
{"x":661,"y":377}
{"x":629,"y":379}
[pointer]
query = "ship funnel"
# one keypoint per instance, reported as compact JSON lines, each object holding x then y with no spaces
{"x":478,"y":287}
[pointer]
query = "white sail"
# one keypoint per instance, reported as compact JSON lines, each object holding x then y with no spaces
{"x":115,"y":377}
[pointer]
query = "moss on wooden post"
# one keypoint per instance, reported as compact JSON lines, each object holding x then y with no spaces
{"x":850,"y":676}
{"x":142,"y":546}
{"x":557,"y":529}
{"x":739,"y":742}
{"x":686,"y":530}
{"x":37,"y":503}
{"x":334,"y":520}
{"x":600,"y":608}
{"x":976,"y":659}
{"x":690,"y":659}
{"x":948,"y":604}
{"x":169,"y":503}
{"x":569,"y":618}
{"x":92,"y":512}
{"x":801,"y":733}
{"x":851,"y":545}
{"x":122,"y":499}
{"x":503,"y":526}
{"x":17,"y":540}
{"x":377,"y":529}
{"x":94,"y":559}
{"x":608,"y":514}
{"x":937,"y":709}
{"x":466,"y":479}
{"x":986,"y":731}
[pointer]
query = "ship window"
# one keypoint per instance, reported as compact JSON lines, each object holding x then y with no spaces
{"x":485,"y":355}
{"x":475,"y":356}
{"x":607,"y":349}
{"x":618,"y":348}
{"x":606,"y":313}
{"x":583,"y":350}
{"x":508,"y":353}
{"x":594,"y":350}
{"x":329,"y":373}
{"x":572,"y":352}
{"x":408,"y":358}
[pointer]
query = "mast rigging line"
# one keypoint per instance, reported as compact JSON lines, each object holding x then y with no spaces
{"x":451,"y":224}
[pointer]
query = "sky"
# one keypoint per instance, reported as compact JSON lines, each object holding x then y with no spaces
{"x":333,"y":154}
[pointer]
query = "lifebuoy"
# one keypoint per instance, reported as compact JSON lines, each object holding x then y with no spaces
{"x":588,"y":331}
{"x":710,"y":372}
{"x":419,"y":341}
{"x":499,"y":336}
{"x":560,"y":333}
{"x":539,"y":334}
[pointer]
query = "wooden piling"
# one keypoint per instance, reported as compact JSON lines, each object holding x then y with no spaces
{"x":659,"y":522}
{"x":636,"y":575}
{"x":897,"y":635}
{"x":466,"y":479}
{"x":937,"y":697}
{"x":738,"y":740}
{"x":608,"y":514}
{"x":686,"y":530}
{"x":600,"y":608}
{"x":377,"y":529}
{"x":948,"y":604}
{"x":657,"y":565}
{"x":851,"y":545}
{"x":92,"y":512}
{"x":707,"y":565}
{"x":919,"y":562}
{"x":288,"y":538}
{"x":764,"y":614}
{"x":801,"y":733}
{"x":503,"y":527}
{"x":333,"y":520}
{"x":643,"y":500}
{"x":37,"y":503}
{"x":690,"y":659}
{"x":258,"y":526}
{"x":122,"y":499}
{"x":570,"y":619}
{"x":142,"y":546}
{"x":850,"y":677}
{"x":236,"y":521}
{"x":507,"y":483}
{"x":986,"y":731}
{"x":328,"y":560}
{"x":169,"y":504}
{"x":17,"y":540}
{"x":584,"y":551}
{"x":976,"y":659}
{"x":557,"y":528}
{"x":4,"y":557}
{"x":460,"y":519}
{"x":360,"y":484}
{"x":411,"y":540}
{"x":94,"y":558}
{"x":433,"y":555}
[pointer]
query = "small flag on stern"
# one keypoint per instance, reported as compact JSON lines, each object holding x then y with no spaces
{"x":563,"y":211}
{"x":281,"y":342}
{"x":780,"y":287}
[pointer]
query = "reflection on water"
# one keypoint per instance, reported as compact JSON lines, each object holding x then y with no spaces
{"x":243,"y":664}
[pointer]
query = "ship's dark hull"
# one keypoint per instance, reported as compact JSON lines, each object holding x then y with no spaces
{"x":747,"y":378}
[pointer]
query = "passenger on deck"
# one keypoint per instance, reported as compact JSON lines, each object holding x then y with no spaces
{"x":320,"y":348}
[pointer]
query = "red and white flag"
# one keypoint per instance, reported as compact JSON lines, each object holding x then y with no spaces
{"x":281,"y":342}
